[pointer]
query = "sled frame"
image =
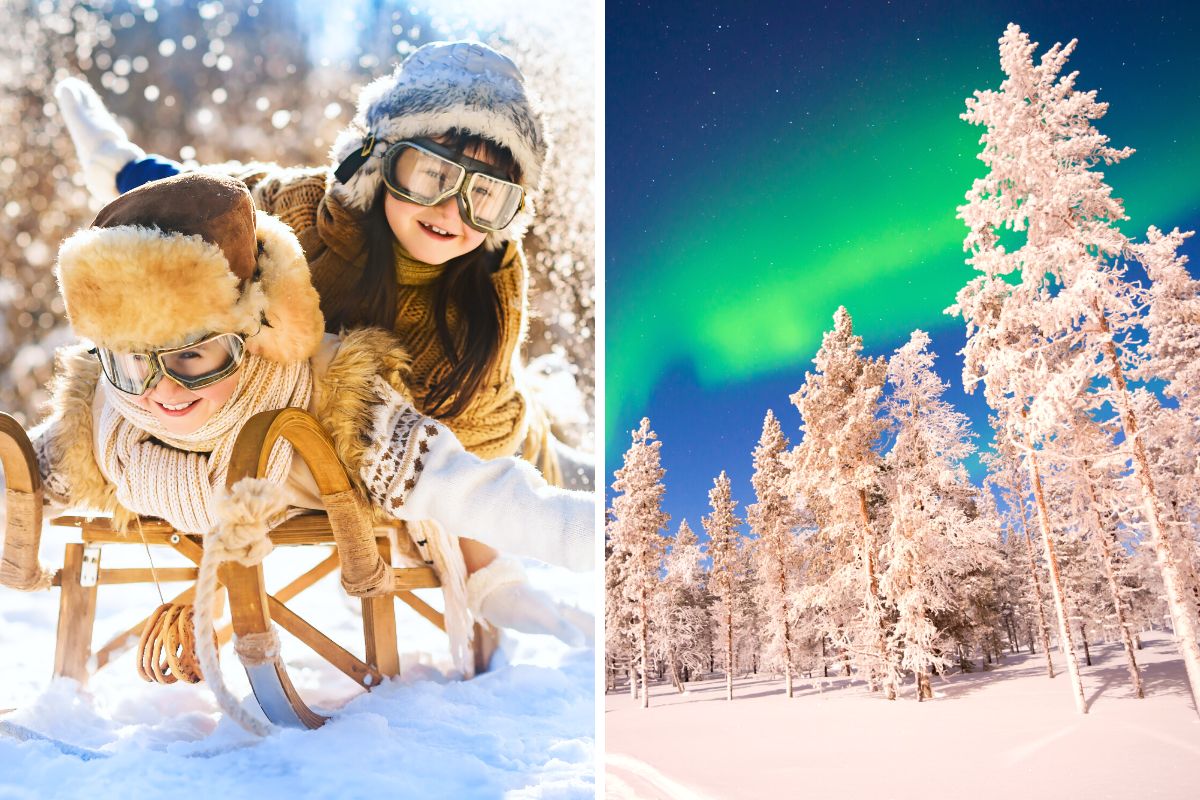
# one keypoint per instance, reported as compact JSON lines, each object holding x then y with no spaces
{"x":252,"y":607}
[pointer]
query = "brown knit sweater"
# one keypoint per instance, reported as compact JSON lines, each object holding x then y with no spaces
{"x":494,"y":422}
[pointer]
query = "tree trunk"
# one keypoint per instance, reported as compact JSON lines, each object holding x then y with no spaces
{"x":633,"y":684}
{"x":1114,"y":588}
{"x":1087,"y":653}
{"x":1181,"y":619}
{"x":1056,"y":588}
{"x":924,"y":686}
{"x":874,"y":602}
{"x":674,"y":673}
{"x":1037,"y":587}
{"x":787,"y":634}
{"x":729,"y":648}
{"x":644,"y":624}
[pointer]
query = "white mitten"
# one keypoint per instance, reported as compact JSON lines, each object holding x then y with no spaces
{"x":101,"y":144}
{"x":501,"y":594}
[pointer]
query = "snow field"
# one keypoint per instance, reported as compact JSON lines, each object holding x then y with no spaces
{"x":1009,"y":732}
{"x":525,"y":729}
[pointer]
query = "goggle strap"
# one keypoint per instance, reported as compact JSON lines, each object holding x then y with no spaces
{"x":355,"y":160}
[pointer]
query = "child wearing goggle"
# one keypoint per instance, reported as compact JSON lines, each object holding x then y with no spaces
{"x":417,"y":228}
{"x":145,"y":419}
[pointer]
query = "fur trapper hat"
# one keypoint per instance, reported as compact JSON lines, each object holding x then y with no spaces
{"x":179,"y":258}
{"x":443,"y":86}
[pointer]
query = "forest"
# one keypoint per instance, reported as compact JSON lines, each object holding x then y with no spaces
{"x":869,"y":549}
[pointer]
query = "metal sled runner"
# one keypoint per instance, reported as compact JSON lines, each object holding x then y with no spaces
{"x":252,"y":608}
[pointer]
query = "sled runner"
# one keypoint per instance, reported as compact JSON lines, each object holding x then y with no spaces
{"x":359,"y":548}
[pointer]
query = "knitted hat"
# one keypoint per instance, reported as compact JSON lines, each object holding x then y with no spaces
{"x":179,"y":258}
{"x":442,"y":86}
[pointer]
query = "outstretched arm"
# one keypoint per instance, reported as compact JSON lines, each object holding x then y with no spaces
{"x":416,"y":469}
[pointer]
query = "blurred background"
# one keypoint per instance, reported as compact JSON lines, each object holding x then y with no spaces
{"x":268,"y":80}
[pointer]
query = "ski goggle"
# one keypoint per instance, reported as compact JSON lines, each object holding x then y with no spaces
{"x":423,"y":172}
{"x":193,"y":366}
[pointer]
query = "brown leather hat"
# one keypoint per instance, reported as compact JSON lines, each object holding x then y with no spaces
{"x":215,"y":208}
{"x":185,"y":257}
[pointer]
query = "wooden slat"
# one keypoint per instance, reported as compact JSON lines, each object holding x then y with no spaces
{"x":424,"y":609}
{"x":323,"y":646}
{"x":408,"y":578}
{"x":146,"y":575}
{"x":379,"y":626}
{"x":301,"y":530}
{"x":76,"y":615}
{"x":306,"y":580}
{"x":190,"y":549}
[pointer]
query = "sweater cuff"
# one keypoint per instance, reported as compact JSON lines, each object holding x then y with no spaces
{"x":480,"y":584}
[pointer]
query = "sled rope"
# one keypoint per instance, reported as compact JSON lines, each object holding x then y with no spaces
{"x":364,"y":572}
{"x":241,"y":534}
{"x":256,"y":649}
{"x":167,"y":649}
{"x":150,"y":558}
{"x":19,"y":567}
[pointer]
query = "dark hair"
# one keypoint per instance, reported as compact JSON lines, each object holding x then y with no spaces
{"x":464,"y":285}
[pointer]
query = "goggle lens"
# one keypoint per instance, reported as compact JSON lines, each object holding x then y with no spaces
{"x":205,"y":359}
{"x":492,"y":202}
{"x":425,"y":178}
{"x":194,"y":366}
{"x":129,"y":372}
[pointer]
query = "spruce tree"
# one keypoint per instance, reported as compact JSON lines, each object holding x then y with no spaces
{"x":636,"y":538}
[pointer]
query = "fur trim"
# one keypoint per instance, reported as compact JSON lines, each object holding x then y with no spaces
{"x":444,"y":86}
{"x":344,"y":398}
{"x":72,"y":448}
{"x":131,"y":288}
{"x":294,"y":323}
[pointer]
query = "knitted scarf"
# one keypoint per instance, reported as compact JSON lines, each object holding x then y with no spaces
{"x":173,"y":476}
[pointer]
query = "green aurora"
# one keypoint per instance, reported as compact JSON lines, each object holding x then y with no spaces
{"x":858,"y":210}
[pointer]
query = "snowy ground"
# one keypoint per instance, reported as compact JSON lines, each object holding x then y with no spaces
{"x":524,"y":730}
{"x":1007,"y":733}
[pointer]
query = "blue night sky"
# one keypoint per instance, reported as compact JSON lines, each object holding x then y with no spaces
{"x":766,"y":164}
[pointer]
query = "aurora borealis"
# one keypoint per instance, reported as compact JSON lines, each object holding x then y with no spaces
{"x":764,"y":166}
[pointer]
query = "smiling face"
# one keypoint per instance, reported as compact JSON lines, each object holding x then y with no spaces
{"x":183,"y":411}
{"x":436,"y":234}
{"x":433,"y":234}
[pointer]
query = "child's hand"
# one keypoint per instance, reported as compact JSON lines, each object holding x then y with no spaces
{"x":501,"y":594}
{"x":100,"y":142}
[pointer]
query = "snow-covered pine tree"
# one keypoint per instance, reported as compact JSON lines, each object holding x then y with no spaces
{"x":618,"y":612}
{"x":1171,"y":446}
{"x":931,"y":543}
{"x":835,"y":468}
{"x":773,"y":519}
{"x":1005,"y":473}
{"x":1089,"y":503}
{"x":679,"y":615}
{"x":726,"y":573}
{"x":1040,"y":148}
{"x":636,"y":537}
{"x":1172,"y":433}
{"x":1172,"y":320}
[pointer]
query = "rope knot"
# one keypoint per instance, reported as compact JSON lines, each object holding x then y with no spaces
{"x":245,"y":515}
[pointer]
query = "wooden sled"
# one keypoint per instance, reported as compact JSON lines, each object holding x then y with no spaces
{"x":252,"y":607}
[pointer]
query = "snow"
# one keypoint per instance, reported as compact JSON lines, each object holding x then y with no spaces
{"x":1009,"y":732}
{"x":525,"y":729}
